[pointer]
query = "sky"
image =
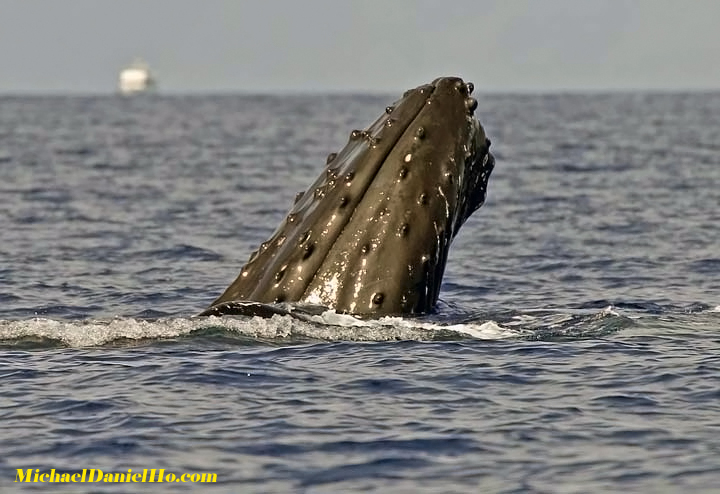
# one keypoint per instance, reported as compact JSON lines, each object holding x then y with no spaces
{"x":79,"y":46}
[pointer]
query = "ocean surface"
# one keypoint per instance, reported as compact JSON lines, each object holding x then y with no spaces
{"x":576,"y":348}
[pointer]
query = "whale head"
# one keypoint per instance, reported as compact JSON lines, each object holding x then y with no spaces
{"x":371,"y":235}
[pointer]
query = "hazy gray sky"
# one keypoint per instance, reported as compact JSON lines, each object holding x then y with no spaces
{"x":376,"y":45}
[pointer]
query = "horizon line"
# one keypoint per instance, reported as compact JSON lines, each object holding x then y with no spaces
{"x":351,"y":91}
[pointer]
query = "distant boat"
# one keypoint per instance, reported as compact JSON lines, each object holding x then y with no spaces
{"x":136,"y":79}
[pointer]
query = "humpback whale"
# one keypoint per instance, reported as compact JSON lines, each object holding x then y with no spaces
{"x":370,"y":237}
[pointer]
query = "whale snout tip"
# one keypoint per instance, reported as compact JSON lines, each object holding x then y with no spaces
{"x":465,"y":88}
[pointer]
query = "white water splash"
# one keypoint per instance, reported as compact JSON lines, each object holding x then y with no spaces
{"x":410,"y":329}
{"x":329,"y":326}
{"x":93,"y":332}
{"x":302,"y":325}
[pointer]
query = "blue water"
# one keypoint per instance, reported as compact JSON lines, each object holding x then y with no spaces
{"x":576,"y":348}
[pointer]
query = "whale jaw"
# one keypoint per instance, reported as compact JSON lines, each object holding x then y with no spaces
{"x":371,"y":235}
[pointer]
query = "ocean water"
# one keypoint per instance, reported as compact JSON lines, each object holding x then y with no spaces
{"x":576,"y":347}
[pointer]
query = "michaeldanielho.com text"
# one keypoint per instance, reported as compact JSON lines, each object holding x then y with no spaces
{"x":96,"y":475}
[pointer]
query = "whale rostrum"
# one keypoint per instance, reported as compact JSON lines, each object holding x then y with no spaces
{"x":371,"y":235}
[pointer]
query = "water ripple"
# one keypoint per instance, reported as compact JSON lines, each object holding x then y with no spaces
{"x":574,"y":350}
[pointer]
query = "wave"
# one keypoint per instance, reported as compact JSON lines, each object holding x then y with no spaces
{"x":299,"y":327}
